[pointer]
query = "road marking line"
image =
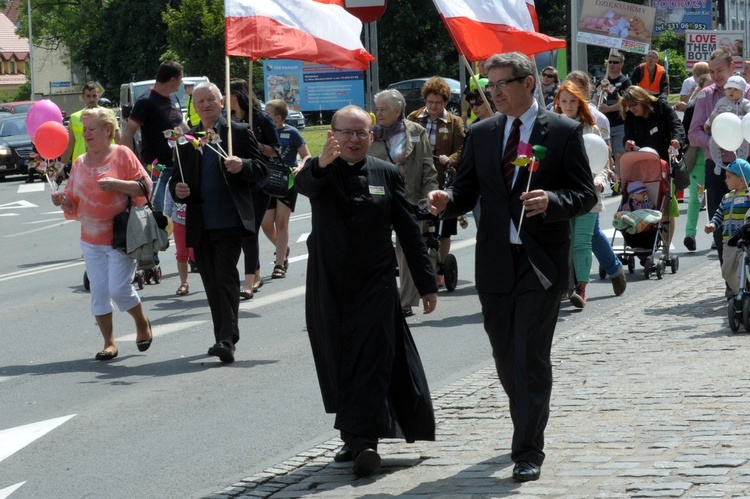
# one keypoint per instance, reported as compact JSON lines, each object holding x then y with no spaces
{"x":6,"y":492}
{"x":303,"y":237}
{"x":60,"y":224}
{"x":14,"y":439}
{"x":24,"y":188}
{"x":8,"y":214}
{"x":17,"y":204}
{"x":42,"y":221}
{"x":166,"y":329}
{"x":39,"y":270}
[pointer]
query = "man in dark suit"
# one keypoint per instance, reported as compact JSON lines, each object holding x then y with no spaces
{"x":521,"y":268}
{"x":217,"y":191}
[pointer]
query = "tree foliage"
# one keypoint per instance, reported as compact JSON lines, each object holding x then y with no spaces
{"x":126,"y":43}
{"x":413,"y":42}
{"x":195,"y":35}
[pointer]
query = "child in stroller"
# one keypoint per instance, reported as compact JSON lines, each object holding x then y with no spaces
{"x":645,"y":231}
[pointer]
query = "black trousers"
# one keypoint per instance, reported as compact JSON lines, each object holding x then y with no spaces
{"x":716,"y":187}
{"x":520,"y":326}
{"x":217,"y":256}
{"x":250,"y":244}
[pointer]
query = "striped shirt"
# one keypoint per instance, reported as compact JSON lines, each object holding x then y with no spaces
{"x":730,"y":215}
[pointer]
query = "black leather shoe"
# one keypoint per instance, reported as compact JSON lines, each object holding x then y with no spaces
{"x":224,"y":351}
{"x":366,"y":463}
{"x":344,"y":455}
{"x":525,"y":471}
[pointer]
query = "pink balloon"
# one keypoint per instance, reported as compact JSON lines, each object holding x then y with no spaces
{"x":41,"y":112}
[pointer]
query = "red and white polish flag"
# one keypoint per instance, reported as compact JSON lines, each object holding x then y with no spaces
{"x":482,"y":28}
{"x":308,"y":30}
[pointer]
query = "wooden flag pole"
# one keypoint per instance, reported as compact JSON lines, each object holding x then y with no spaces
{"x":250,"y":95}
{"x":228,"y":107}
{"x":476,"y":82}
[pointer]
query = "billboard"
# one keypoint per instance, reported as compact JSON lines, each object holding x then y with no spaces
{"x":700,"y":44}
{"x":309,"y":86}
{"x":681,"y":15}
{"x":616,"y":25}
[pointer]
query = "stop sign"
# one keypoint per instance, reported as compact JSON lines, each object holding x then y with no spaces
{"x":366,"y":10}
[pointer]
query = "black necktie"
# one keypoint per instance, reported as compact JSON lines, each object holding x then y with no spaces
{"x":511,"y":152}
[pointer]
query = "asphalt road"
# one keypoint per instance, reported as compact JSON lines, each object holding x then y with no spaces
{"x":173,"y":422}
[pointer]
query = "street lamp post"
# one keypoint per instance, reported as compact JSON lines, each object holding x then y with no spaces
{"x":31,"y":53}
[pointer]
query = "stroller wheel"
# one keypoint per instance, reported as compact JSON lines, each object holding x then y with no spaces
{"x":648,"y":266}
{"x":746,"y":312}
{"x":660,"y":267}
{"x":451,"y":272}
{"x":631,"y":264}
{"x":733,"y":315}
{"x":140,"y":279}
{"x":674,"y":263}
{"x":86,"y":282}
{"x":602,"y":273}
{"x":157,"y":274}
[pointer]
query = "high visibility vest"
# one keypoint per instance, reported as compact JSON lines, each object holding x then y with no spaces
{"x":76,"y":127}
{"x":651,"y":87}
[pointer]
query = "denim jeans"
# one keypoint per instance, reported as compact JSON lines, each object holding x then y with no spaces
{"x":602,"y":249}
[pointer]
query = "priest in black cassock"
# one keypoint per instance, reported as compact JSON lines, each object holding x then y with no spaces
{"x":368,"y":367}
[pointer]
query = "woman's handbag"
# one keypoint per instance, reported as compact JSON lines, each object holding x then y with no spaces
{"x":680,"y":174}
{"x":276,"y":183}
{"x":130,"y":228}
{"x":120,"y":229}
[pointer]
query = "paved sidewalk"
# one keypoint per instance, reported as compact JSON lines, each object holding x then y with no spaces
{"x":652,"y":401}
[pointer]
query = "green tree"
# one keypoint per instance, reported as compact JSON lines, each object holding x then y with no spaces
{"x":60,"y":23}
{"x":195,"y":34}
{"x":413,"y":42}
{"x":125,"y":43}
{"x":674,"y":45}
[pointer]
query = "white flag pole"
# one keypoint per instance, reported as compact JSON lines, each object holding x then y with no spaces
{"x":228,"y":107}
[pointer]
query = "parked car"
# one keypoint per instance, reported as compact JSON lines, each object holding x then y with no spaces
{"x":17,"y":107}
{"x":411,"y":90}
{"x":293,"y":118}
{"x":15,"y":145}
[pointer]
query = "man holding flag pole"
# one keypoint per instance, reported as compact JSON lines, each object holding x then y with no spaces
{"x":521,"y":268}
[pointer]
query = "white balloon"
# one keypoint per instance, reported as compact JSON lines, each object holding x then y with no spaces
{"x":746,"y":127}
{"x":727,"y":131}
{"x":597,"y":151}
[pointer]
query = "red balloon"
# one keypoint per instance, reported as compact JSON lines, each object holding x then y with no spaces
{"x":51,"y":139}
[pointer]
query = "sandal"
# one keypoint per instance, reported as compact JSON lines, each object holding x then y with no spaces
{"x":245,"y":295}
{"x":278,"y":272}
{"x":183,"y":289}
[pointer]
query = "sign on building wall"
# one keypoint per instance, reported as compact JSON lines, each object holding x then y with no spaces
{"x":617,"y":25}
{"x":308,"y":86}
{"x":681,"y":15}
{"x":700,"y":44}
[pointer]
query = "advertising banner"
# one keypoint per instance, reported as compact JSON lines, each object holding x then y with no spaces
{"x":681,"y":15}
{"x":700,"y":44}
{"x":308,"y":86}
{"x":618,"y":25}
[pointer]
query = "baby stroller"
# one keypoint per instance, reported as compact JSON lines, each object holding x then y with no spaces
{"x":647,"y":167}
{"x":738,"y":308}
